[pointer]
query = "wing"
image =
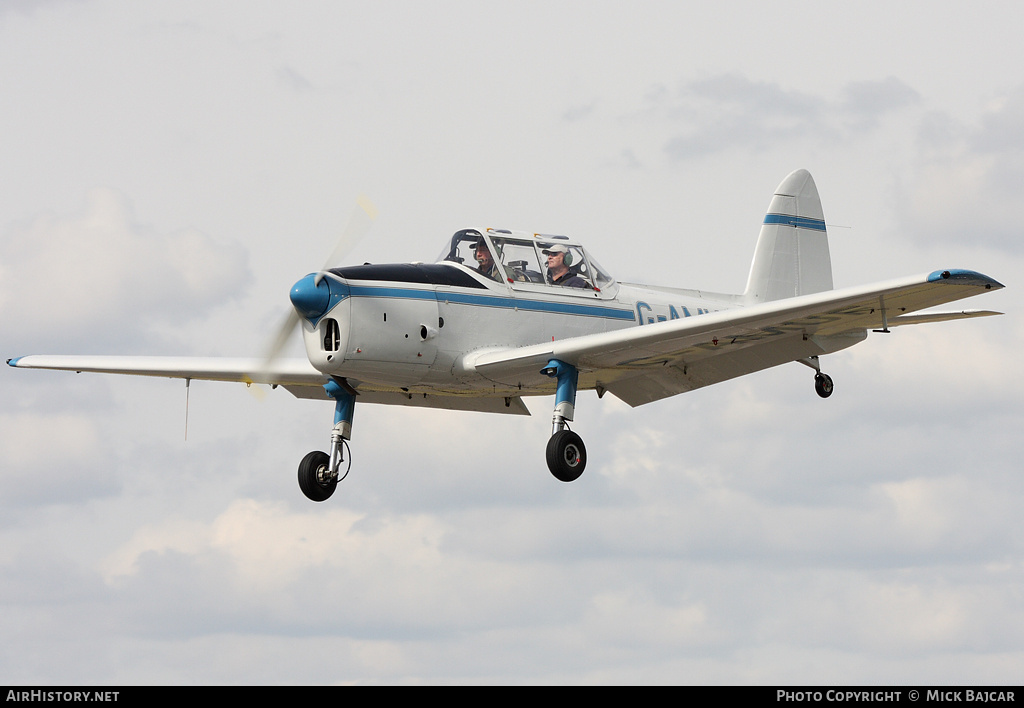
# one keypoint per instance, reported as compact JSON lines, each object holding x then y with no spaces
{"x":477,"y":403}
{"x":284,"y":372}
{"x":297,"y":376}
{"x":650,"y":362}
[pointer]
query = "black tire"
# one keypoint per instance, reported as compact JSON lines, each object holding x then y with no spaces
{"x":566,"y":455}
{"x":823,"y":385}
{"x":312,"y":471}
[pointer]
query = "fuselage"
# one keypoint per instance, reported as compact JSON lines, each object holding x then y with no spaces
{"x":409,"y":326}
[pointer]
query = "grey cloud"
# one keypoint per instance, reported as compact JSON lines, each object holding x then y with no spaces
{"x":292,"y":79}
{"x":878,"y":97}
{"x":30,"y":7}
{"x":579,"y":112}
{"x":732,"y":111}
{"x":1001,"y":128}
{"x":966,"y":184}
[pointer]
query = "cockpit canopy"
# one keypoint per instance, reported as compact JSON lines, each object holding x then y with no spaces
{"x":521,"y":258}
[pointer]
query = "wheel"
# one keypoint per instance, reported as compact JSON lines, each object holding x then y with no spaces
{"x":566,"y":455}
{"x":823,"y":385}
{"x":313,"y":480}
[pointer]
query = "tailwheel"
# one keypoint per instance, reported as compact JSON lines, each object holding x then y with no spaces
{"x":315,"y":479}
{"x":823,"y":385}
{"x":566,"y":455}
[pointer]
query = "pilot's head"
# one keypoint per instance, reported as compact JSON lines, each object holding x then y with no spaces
{"x":483,"y":255}
{"x":557,"y":256}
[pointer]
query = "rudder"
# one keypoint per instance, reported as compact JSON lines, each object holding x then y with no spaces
{"x":792,"y":256}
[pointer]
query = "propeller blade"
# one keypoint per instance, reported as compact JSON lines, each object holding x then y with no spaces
{"x":282,"y":335}
{"x":358,"y":225}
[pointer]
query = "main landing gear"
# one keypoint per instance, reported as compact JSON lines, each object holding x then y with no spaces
{"x":823,"y":385}
{"x":822,"y":382}
{"x":319,"y":473}
{"x":566,"y":455}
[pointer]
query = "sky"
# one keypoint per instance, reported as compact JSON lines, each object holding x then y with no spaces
{"x":169,"y":169}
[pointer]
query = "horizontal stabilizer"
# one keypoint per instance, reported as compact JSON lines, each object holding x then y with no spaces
{"x":930,"y":317}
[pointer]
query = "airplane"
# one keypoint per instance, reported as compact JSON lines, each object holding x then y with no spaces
{"x":501,"y":315}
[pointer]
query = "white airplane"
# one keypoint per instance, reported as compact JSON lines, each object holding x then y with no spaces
{"x":503,"y":314}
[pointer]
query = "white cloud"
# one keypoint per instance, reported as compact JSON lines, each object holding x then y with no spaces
{"x":99,"y":275}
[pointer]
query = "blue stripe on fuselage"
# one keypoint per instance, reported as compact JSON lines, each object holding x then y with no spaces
{"x":566,"y":308}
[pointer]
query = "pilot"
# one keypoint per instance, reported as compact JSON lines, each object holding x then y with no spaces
{"x":485,"y":261}
{"x":559,"y":260}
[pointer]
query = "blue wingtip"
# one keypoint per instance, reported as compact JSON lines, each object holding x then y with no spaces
{"x":965,"y":277}
{"x":14,"y":361}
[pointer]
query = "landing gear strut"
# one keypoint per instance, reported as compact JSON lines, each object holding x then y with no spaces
{"x":319,"y":473}
{"x":566,"y":455}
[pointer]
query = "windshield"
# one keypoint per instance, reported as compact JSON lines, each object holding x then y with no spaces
{"x":526,"y":258}
{"x":470,"y":248}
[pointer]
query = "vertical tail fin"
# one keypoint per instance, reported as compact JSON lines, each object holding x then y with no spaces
{"x":792,"y":255}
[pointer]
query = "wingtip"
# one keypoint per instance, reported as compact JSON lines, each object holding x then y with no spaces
{"x":965,"y":277}
{"x":13,"y":361}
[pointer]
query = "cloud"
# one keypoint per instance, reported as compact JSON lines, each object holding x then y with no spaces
{"x":80,"y":464}
{"x":870,"y":100}
{"x":965,"y":186}
{"x":733,"y":112}
{"x":101,"y":276}
{"x":29,"y":7}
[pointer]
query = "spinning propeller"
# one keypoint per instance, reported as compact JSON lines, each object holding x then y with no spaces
{"x":358,"y":225}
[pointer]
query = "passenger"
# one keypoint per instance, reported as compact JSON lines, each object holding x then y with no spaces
{"x":558,"y":268}
{"x":485,"y":261}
